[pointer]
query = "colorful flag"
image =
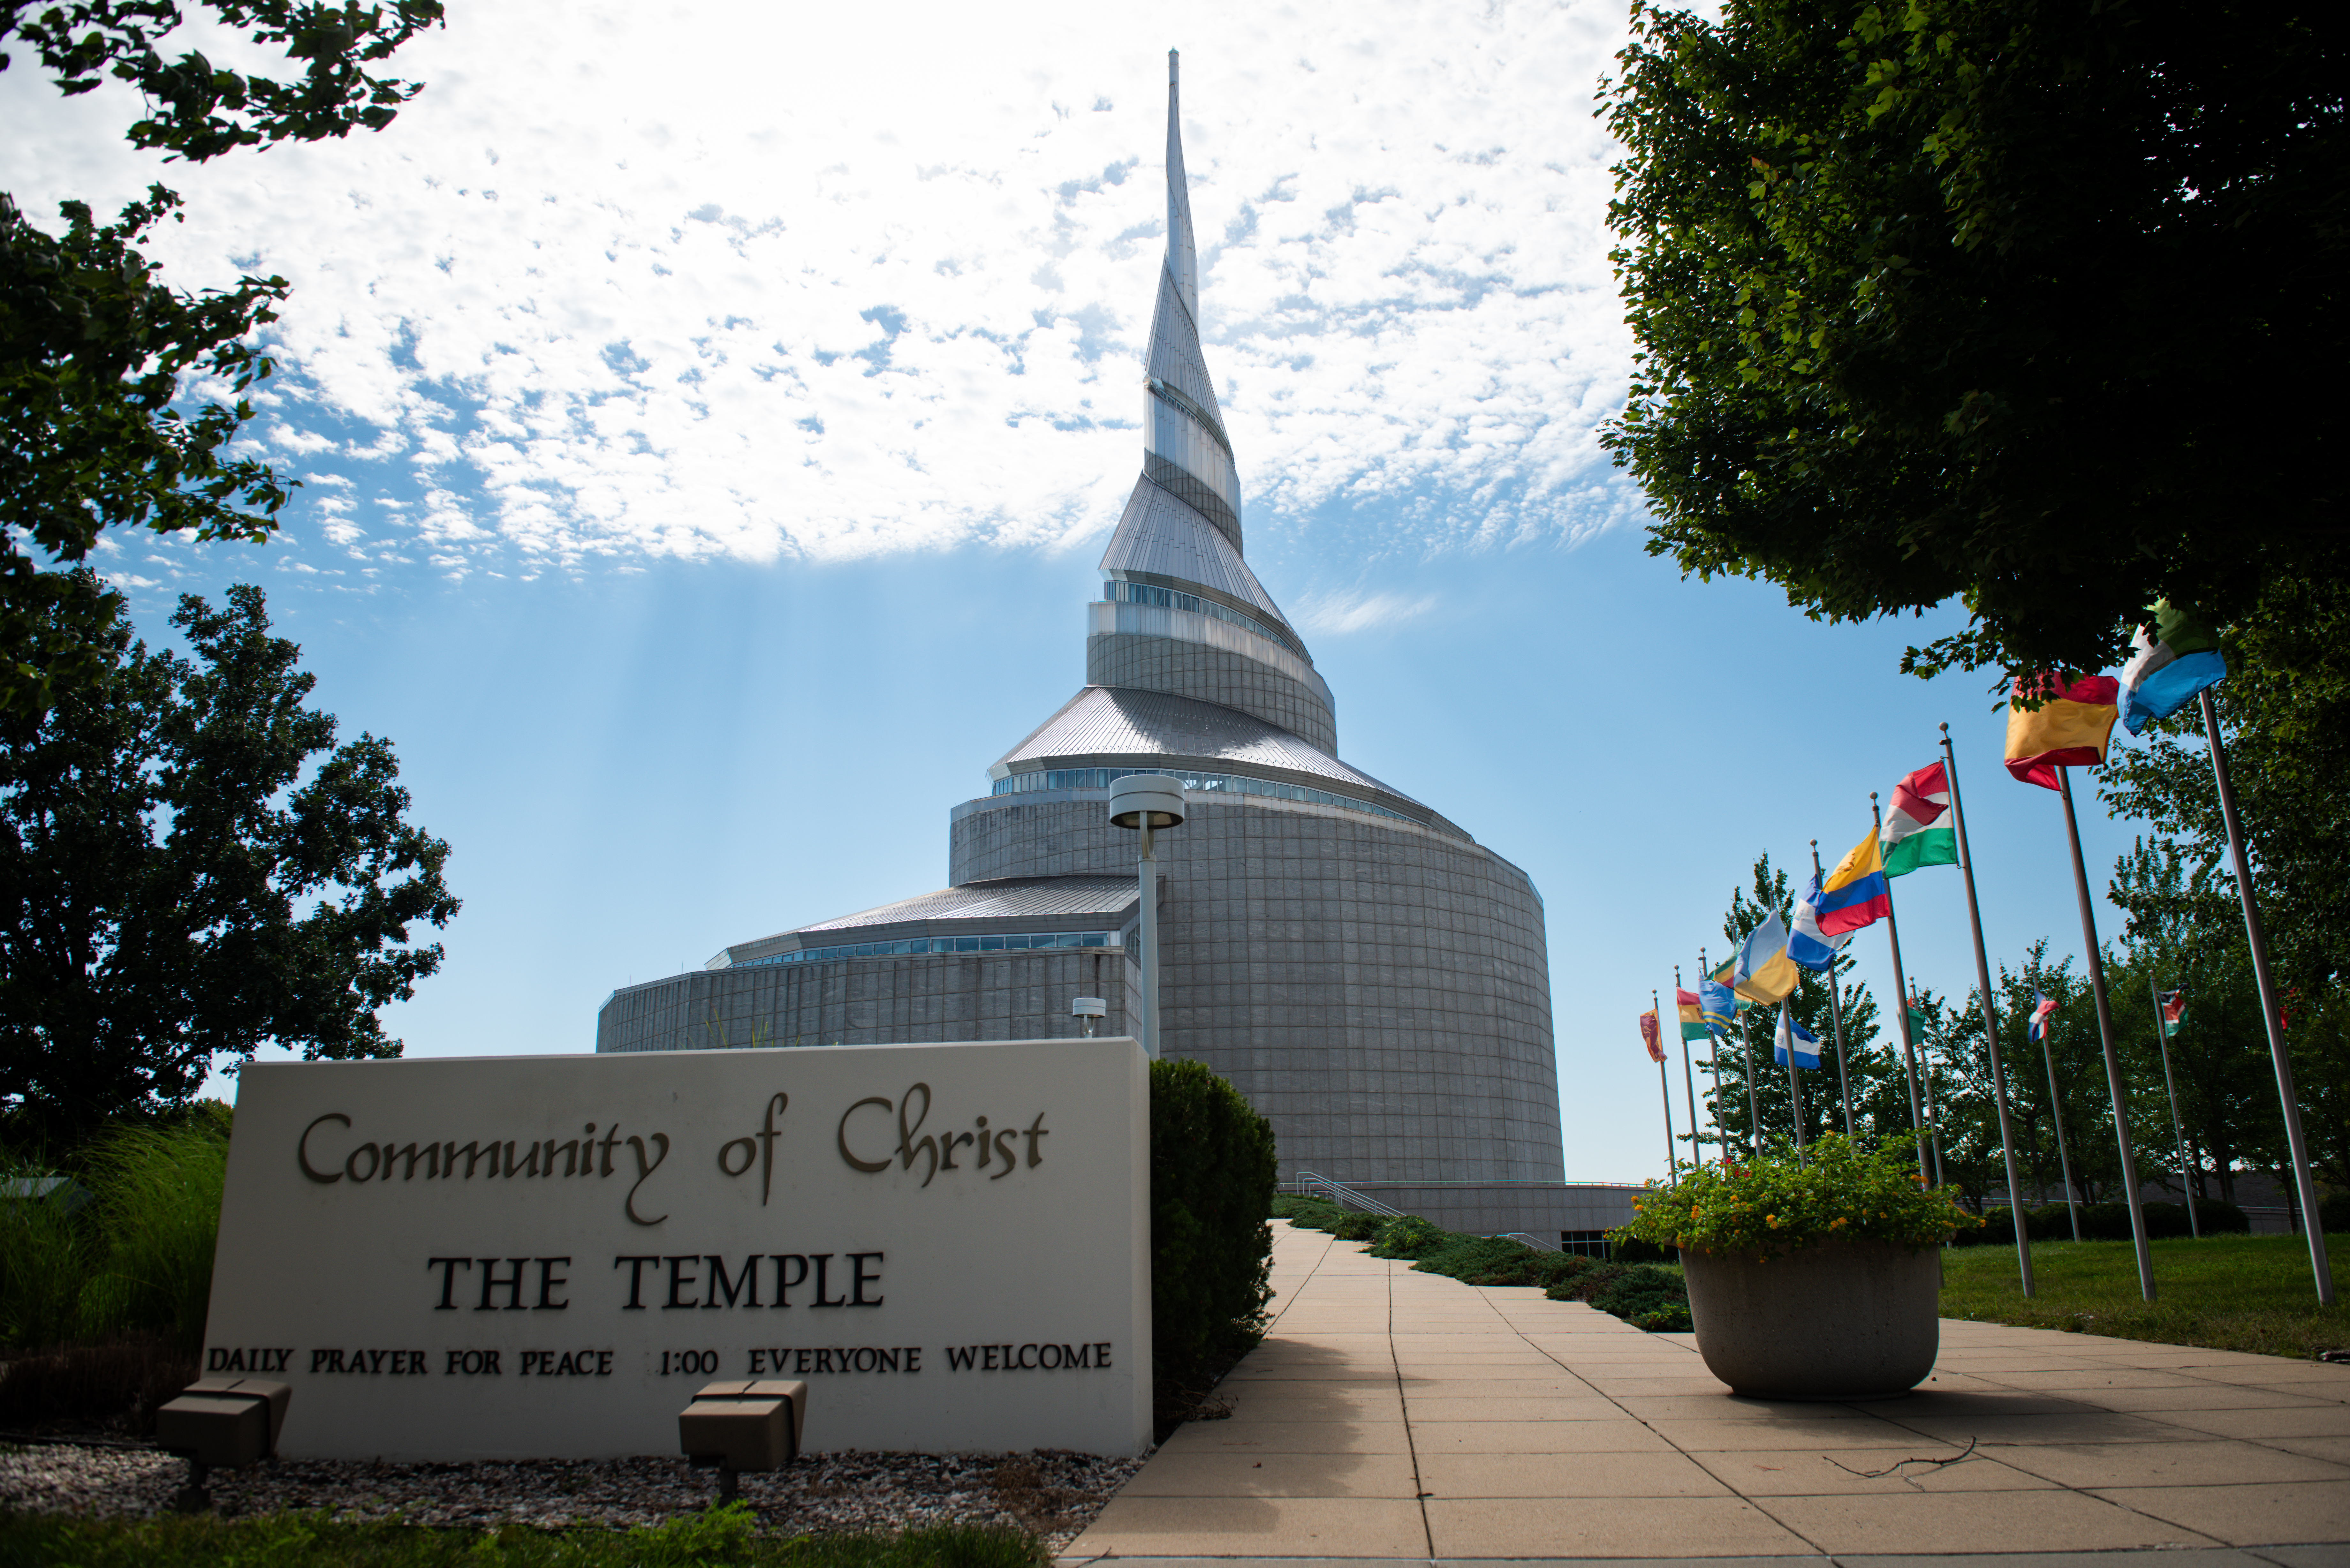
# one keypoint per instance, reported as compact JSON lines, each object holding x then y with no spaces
{"x":1718,"y":1005}
{"x":1762,"y":971}
{"x":1916,"y":1022}
{"x":1797,"y":1042}
{"x":1692,"y":1015}
{"x":1808,"y":945}
{"x":1855,"y":893}
{"x":2070,"y":729}
{"x":2181,"y":658}
{"x":2042,"y":1007}
{"x":1727,"y":975}
{"x":2174,"y":1012}
{"x":1917,"y":830}
{"x":1651,"y":1037}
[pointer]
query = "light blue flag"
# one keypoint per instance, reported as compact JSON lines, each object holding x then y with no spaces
{"x":1798,"y":1042}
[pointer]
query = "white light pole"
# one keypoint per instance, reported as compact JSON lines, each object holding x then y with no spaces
{"x":1144,"y":803}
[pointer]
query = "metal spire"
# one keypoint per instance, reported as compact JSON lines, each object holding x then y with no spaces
{"x":1182,"y":258}
{"x":1186,"y":453}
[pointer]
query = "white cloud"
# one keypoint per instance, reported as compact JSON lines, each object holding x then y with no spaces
{"x":1336,"y":612}
{"x":832,"y":281}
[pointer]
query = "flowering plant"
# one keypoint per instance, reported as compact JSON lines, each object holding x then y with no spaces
{"x":1771,"y":1205}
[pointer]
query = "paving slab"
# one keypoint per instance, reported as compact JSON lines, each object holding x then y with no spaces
{"x":1402,"y":1419}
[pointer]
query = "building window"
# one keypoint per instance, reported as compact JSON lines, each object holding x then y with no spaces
{"x":1198,"y":784}
{"x":914,"y":946}
{"x":1585,"y":1243}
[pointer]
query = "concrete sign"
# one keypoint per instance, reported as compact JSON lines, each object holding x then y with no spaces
{"x":544,"y":1256}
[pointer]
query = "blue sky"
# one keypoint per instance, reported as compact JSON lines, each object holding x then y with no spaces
{"x":707,"y":453}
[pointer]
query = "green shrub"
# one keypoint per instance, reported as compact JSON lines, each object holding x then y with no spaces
{"x":1356,"y":1226}
{"x":44,"y":1252}
{"x":1647,"y":1296}
{"x":1307,"y":1214}
{"x":1212,"y":1174}
{"x":1406,"y":1236}
{"x":158,"y":1211}
{"x":1498,"y":1260}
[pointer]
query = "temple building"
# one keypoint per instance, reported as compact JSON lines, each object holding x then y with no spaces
{"x":1372,"y":978}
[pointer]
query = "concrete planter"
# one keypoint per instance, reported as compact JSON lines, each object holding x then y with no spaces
{"x":1835,"y":1320}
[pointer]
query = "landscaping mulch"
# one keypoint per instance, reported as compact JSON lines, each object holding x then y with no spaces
{"x":1052,"y":1493}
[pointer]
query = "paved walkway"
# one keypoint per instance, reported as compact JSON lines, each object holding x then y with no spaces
{"x":1394,"y":1415}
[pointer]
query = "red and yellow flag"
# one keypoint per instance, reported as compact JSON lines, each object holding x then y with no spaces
{"x":1651,"y":1037}
{"x":2070,"y":728}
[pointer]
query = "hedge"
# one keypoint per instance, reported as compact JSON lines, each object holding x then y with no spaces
{"x":2103,"y":1222}
{"x":1212,"y":1175}
{"x":1647,"y":1296}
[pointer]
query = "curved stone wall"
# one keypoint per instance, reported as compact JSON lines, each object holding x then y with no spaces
{"x":1211,"y":675}
{"x":1380,"y":991}
{"x":868,"y":1002}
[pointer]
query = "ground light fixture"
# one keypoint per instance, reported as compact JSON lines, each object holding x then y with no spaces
{"x":220,"y":1423}
{"x":1084,"y":1010}
{"x":743,"y":1426}
{"x":1145,"y":804}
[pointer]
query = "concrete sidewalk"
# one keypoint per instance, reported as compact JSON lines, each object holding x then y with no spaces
{"x":1401,"y":1416}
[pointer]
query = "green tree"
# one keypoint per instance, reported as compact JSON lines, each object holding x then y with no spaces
{"x":103,"y":368}
{"x":2186,"y":933}
{"x":1950,"y":299}
{"x":191,"y":869}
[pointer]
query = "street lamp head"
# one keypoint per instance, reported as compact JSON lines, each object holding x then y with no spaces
{"x":1146,"y":800}
{"x":1088,"y":1007}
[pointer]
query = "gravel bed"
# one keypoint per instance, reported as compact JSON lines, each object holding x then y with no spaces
{"x":1055,"y":1493}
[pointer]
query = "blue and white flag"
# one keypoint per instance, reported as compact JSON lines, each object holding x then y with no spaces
{"x":1717,"y":1005}
{"x":1806,"y":945}
{"x":1797,"y":1042}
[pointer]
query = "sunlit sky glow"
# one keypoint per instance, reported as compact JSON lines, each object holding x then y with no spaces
{"x":709,"y":417}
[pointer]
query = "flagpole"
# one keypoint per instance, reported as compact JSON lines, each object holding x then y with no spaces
{"x":2106,"y":1037}
{"x":1713,"y":1056}
{"x":1753,"y":1117}
{"x":1688,"y":1074}
{"x":2177,"y":1128}
{"x":1794,"y":1089}
{"x":1901,"y":993}
{"x":2057,"y":1116}
{"x":1836,"y":1016}
{"x":2270,"y":1015}
{"x":1664,"y":1088}
{"x":1926,"y":1078}
{"x":1990,"y":1018}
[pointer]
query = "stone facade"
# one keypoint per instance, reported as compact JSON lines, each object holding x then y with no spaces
{"x":868,"y":1001}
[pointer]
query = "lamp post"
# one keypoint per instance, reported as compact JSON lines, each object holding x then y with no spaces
{"x":1084,"y":1010}
{"x":1144,"y":803}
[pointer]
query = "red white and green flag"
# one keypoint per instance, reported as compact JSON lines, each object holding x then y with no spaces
{"x":1917,"y":828}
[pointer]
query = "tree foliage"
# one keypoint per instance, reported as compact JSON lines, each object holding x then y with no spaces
{"x":1967,"y":298}
{"x":191,"y":868}
{"x":120,"y":398}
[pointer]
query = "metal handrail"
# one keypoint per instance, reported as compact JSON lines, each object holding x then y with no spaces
{"x":1311,"y":1183}
{"x":1536,"y":1242}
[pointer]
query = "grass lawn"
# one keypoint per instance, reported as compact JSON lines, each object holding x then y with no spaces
{"x":310,"y":1540}
{"x":2228,"y":1292}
